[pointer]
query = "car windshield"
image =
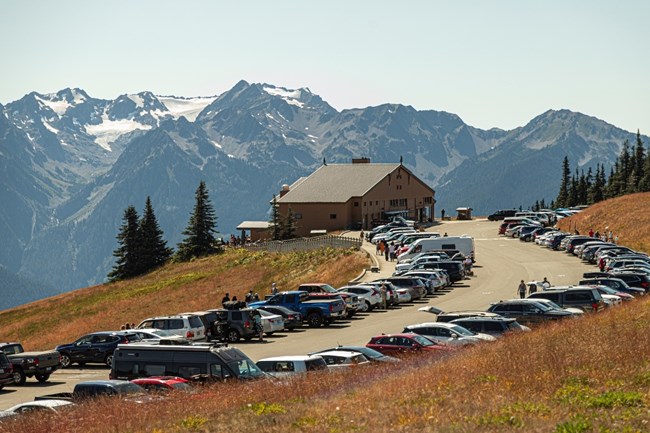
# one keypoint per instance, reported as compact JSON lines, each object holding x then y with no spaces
{"x":462,"y":331}
{"x":366,"y":351}
{"x":515,"y":326}
{"x":422,"y":340}
{"x":328,"y":288}
{"x":552,"y":305}
{"x":245,"y":369}
{"x":607,"y":290}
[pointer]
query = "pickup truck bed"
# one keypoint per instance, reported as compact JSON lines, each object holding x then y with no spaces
{"x":30,"y":364}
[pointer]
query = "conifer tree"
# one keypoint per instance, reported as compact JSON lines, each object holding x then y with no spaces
{"x":153,"y":248}
{"x":289,"y":225}
{"x":128,"y":261}
{"x":639,"y":159}
{"x":644,"y":183}
{"x":563,"y":196}
{"x":199,"y":235}
{"x":275,"y":223}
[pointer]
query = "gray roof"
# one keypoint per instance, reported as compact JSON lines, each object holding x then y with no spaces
{"x":247,"y":225}
{"x":337,"y":183}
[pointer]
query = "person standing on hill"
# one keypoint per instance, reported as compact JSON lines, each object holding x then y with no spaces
{"x":274,"y":289}
{"x":522,"y":289}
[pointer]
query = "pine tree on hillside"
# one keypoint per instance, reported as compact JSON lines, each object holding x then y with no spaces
{"x":128,"y":261}
{"x":275,"y":222}
{"x":199,"y":235}
{"x":595,"y":193}
{"x":644,"y":183}
{"x":563,"y":196}
{"x":153,"y":248}
{"x":639,"y":160}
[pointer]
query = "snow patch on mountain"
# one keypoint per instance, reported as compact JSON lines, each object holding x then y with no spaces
{"x":139,"y":102}
{"x":291,"y":97}
{"x":110,"y":130}
{"x":49,"y":127}
{"x":187,"y":107}
{"x":59,"y":107}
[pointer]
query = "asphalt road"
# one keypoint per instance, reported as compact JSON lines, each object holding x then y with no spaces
{"x":500,"y":264}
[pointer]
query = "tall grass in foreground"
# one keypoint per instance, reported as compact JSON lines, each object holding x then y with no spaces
{"x":584,"y":375}
{"x":175,"y":288}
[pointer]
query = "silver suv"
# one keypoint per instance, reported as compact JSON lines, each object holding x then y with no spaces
{"x":186,"y":325}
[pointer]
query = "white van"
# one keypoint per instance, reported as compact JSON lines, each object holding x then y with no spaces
{"x":464,"y":244}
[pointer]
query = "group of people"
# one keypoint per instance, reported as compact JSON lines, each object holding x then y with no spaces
{"x":606,"y":236}
{"x":531,"y":287}
{"x":127,"y":326}
{"x":235,"y":304}
{"x":388,"y":250}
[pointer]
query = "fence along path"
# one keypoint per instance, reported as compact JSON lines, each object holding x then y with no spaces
{"x":305,"y":244}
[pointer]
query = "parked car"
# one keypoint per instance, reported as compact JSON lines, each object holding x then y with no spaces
{"x":317,"y":290}
{"x":391,"y":290}
{"x":587,"y":299}
{"x":35,"y":407}
{"x":415,"y":286}
{"x":292,"y":319}
{"x":280,"y":366}
{"x":233,"y":325}
{"x":528,"y":311}
{"x":406,"y":343}
{"x":494,"y":326}
{"x":6,"y":371}
{"x":163,"y":383}
{"x":615,"y":283}
{"x":369,"y":296}
{"x":314,"y":312}
{"x":188,"y":326}
{"x":501,"y":214}
{"x":371,"y":354}
{"x":634,"y":279}
{"x":154,"y":336}
{"x":30,"y":364}
{"x":447,"y":333}
{"x":343,"y":358}
{"x":95,"y":388}
{"x":96,"y":347}
{"x":448,"y":316}
{"x":271,"y":323}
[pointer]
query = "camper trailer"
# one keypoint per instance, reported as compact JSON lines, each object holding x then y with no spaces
{"x":464,"y":244}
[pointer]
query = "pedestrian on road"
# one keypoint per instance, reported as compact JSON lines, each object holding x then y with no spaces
{"x":257,"y":323}
{"x":522,"y":289}
{"x":385,"y":249}
{"x":546,"y":284}
{"x":361,"y":236}
{"x":532,"y":287}
{"x":442,"y":213}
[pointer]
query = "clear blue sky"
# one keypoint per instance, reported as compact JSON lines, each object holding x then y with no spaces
{"x":494,"y":63}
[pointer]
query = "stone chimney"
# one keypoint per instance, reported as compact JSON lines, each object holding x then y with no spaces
{"x":284,"y":190}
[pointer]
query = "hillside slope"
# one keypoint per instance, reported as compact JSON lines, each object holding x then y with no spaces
{"x":173,"y":289}
{"x":627,"y":217}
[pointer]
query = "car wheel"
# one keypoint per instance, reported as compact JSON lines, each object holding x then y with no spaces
{"x":42,"y":378}
{"x":19,"y":377}
{"x":65,"y":361}
{"x":368,"y":306}
{"x":233,"y":336}
{"x":109,"y":360}
{"x":315,"y":320}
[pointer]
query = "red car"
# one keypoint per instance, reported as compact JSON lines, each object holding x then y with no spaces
{"x":394,"y":344}
{"x":162,"y":383}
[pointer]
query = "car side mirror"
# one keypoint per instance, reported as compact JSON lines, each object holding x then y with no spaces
{"x":454,"y":335}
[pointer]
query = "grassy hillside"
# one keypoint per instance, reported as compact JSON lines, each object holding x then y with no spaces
{"x":628,"y":217}
{"x":176,"y":288}
{"x":591,"y":376}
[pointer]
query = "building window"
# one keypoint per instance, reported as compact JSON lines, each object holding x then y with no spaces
{"x":402,"y":202}
{"x":297,"y":216}
{"x":356,"y":204}
{"x":393,"y":202}
{"x":428,"y":200}
{"x":364,"y":204}
{"x":332,"y":216}
{"x":399,"y":186}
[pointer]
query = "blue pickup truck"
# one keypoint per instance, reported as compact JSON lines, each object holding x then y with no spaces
{"x":315,"y":312}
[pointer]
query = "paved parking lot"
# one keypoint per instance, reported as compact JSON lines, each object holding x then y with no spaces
{"x":501,"y":263}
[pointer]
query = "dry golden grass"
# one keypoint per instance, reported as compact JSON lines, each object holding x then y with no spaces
{"x":176,"y":288}
{"x":628,"y":217}
{"x":586,"y":375}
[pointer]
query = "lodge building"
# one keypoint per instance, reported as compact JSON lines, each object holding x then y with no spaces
{"x":357,"y":195}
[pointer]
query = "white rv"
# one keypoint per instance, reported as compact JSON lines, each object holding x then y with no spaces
{"x":464,"y":244}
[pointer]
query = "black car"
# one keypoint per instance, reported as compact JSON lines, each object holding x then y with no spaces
{"x":501,"y":214}
{"x":634,"y":279}
{"x":614,"y":283}
{"x":528,"y":311}
{"x":6,"y":371}
{"x":97,"y":347}
{"x":292,"y":319}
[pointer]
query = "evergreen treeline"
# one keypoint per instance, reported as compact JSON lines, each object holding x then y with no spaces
{"x":142,"y":247}
{"x":629,"y":174}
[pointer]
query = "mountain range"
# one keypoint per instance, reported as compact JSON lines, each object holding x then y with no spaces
{"x":70,"y":164}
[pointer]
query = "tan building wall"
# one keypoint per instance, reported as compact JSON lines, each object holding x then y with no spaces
{"x":398,"y":191}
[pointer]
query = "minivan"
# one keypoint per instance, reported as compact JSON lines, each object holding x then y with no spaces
{"x":501,"y":214}
{"x":464,"y":244}
{"x":214,"y":362}
{"x":587,"y":299}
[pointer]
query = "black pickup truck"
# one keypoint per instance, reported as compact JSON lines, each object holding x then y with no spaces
{"x":28,"y":364}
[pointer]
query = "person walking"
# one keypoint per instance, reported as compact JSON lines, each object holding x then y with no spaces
{"x":532,"y":287}
{"x":546,"y":284}
{"x":442,"y":214}
{"x":257,"y":323}
{"x":385,"y":249}
{"x":391,"y":251}
{"x":522,"y":289}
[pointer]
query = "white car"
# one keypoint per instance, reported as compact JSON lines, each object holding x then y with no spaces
{"x":271,"y":322}
{"x":403,"y":295}
{"x":35,"y":406}
{"x":186,"y":325}
{"x":369,"y":296}
{"x":448,"y":333}
{"x":343,"y":358}
{"x":280,"y":366}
